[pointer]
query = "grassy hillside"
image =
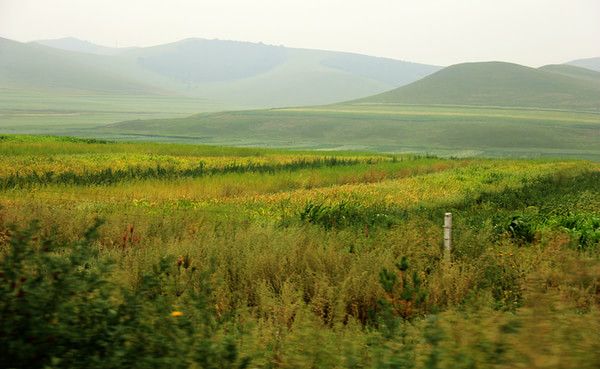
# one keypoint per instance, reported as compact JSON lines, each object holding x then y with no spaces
{"x":497,"y":84}
{"x":442,"y":130}
{"x":573,"y":71}
{"x":227,"y":72}
{"x":74,"y":44}
{"x":121,"y":255}
{"x":259,"y":75}
{"x":35,"y":67}
{"x":385,"y":122}
{"x":589,"y":63}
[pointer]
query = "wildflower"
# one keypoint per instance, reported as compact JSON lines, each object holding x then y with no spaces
{"x":176,"y":314}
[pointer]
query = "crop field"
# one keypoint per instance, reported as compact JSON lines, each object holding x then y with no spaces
{"x":152,"y":254}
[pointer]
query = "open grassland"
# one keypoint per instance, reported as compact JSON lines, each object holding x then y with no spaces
{"x":458,"y":131}
{"x":277,"y":259}
{"x":441,"y":130}
{"x":78,"y":113}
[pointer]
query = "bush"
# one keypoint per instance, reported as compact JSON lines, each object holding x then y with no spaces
{"x":583,"y":228}
{"x":60,"y":309}
{"x":349,"y":214}
{"x":520,"y":227}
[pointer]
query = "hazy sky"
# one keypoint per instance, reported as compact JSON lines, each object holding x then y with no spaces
{"x":531,"y":32}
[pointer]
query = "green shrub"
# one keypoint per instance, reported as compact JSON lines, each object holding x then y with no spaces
{"x":520,"y":227}
{"x":583,"y":228}
{"x":349,"y":214}
{"x":60,"y":309}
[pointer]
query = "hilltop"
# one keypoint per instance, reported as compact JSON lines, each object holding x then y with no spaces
{"x":497,"y":84}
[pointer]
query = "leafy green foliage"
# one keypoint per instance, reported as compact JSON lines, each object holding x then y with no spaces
{"x":405,"y":296}
{"x":520,"y":228}
{"x":349,"y":214}
{"x":583,"y":228}
{"x":59,"y":309}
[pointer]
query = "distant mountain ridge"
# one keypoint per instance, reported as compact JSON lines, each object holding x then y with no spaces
{"x":500,"y":84}
{"x":77,"y":45}
{"x":573,"y":71}
{"x":41,"y":68}
{"x":238,"y":73}
{"x":589,"y":63}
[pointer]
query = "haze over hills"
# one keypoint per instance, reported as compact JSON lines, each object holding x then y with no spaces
{"x":239,"y":74}
{"x":474,"y":108}
{"x":489,"y":108}
{"x":589,"y":63}
{"x":77,"y":45}
{"x":500,"y":84}
{"x":573,"y":71}
{"x":40,"y":68}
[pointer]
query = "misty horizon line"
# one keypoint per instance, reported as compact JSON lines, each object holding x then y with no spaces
{"x":91,"y":42}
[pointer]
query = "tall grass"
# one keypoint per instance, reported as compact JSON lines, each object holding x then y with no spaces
{"x":319,"y":266}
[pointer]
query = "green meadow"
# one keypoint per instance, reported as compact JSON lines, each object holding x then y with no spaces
{"x":76,"y":113}
{"x":189,"y":256}
{"x":441,"y":130}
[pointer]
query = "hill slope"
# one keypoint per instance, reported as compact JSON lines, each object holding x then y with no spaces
{"x":496,"y":84}
{"x":573,"y":71}
{"x":32,"y":66}
{"x":426,"y":129}
{"x":495,"y":109}
{"x":77,"y":45}
{"x":236,"y":73}
{"x":589,"y":63}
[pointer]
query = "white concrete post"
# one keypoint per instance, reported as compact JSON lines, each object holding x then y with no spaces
{"x":447,"y":235}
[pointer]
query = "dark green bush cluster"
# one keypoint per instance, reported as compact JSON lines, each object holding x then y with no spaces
{"x":583,"y":228}
{"x":350,"y":214}
{"x":519,"y":227}
{"x":551,"y":194}
{"x":405,"y":295}
{"x":58,"y":309}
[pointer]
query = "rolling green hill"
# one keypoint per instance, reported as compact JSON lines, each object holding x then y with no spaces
{"x":456,"y":131}
{"x":589,"y":63}
{"x":72,"y":84}
{"x":496,"y":84}
{"x":238,"y":74}
{"x":491,"y":109}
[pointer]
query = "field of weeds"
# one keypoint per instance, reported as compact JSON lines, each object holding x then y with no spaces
{"x":143,"y":255}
